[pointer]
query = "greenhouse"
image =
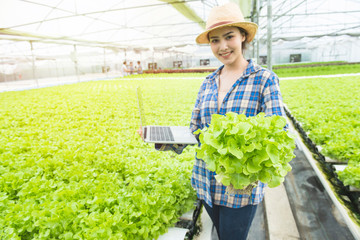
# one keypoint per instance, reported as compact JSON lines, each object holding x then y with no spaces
{"x":78,"y":79}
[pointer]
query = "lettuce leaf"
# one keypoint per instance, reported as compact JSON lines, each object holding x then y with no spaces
{"x":243,"y":150}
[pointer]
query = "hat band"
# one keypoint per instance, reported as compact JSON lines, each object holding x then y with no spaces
{"x":218,"y":24}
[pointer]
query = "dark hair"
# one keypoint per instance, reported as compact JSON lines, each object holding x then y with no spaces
{"x":244,"y":44}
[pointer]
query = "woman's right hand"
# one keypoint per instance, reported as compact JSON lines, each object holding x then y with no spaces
{"x":140,"y":132}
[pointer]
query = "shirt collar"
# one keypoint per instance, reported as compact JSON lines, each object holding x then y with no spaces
{"x":251,"y":68}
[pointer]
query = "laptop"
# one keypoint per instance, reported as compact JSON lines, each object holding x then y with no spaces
{"x":163,"y":134}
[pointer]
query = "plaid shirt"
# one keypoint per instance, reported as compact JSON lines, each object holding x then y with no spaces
{"x":257,"y":90}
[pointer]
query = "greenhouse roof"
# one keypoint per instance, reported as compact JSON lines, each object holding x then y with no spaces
{"x":165,"y":24}
{"x":122,"y":24}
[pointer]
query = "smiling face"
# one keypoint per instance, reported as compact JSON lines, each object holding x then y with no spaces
{"x":226,"y":45}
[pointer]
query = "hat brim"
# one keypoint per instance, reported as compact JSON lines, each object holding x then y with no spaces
{"x":249,"y":27}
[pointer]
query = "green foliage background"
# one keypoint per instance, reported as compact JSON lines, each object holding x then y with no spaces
{"x":316,"y":70}
{"x":73,"y":167}
{"x":329,"y":109}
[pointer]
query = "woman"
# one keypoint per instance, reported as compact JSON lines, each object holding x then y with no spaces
{"x":131,"y":68}
{"x":124,"y":70}
{"x":139,"y":68}
{"x":239,"y":86}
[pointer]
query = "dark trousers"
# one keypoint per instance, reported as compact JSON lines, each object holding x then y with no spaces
{"x":231,"y":223}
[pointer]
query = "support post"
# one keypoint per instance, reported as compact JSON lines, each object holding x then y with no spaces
{"x":76,"y":64}
{"x":57,"y":70}
{"x":105,"y":67}
{"x":4,"y":71}
{"x":252,"y":17}
{"x":269,"y":35}
{"x":33,"y":64}
{"x":258,"y":34}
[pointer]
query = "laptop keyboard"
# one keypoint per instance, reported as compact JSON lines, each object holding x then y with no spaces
{"x":159,"y":133}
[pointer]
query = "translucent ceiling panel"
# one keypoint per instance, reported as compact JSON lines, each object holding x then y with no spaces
{"x":137,"y":23}
{"x":295,"y":19}
{"x":151,"y":23}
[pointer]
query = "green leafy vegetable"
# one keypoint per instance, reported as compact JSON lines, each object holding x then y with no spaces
{"x":351,"y":174}
{"x":243,"y":150}
{"x":328,"y":109}
{"x":73,"y":167}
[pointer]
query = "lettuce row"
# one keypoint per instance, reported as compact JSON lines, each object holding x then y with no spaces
{"x":350,"y":176}
{"x":328,"y":109}
{"x":73,"y":167}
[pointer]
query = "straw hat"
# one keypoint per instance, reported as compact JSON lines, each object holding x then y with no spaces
{"x":227,"y":15}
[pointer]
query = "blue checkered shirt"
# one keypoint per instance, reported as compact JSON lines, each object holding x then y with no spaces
{"x":257,"y":90}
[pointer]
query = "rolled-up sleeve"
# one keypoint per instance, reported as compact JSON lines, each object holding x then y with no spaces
{"x":272,"y":103}
{"x":195,"y":122}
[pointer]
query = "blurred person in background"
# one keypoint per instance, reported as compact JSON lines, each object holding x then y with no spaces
{"x":138,"y":68}
{"x":124,"y":69}
{"x":131,"y":68}
{"x":239,"y":86}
